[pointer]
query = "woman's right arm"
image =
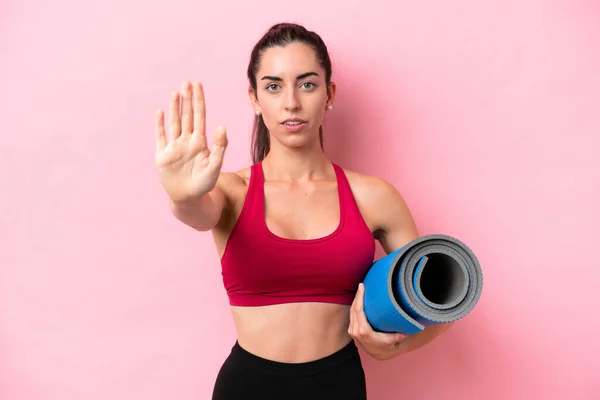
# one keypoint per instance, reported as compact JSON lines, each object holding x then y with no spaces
{"x":189,"y":172}
{"x":202,"y":214}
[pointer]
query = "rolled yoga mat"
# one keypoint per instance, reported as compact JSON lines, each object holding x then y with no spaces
{"x":431,"y":280}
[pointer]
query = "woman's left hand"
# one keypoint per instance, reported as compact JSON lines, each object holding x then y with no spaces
{"x":379,"y":345}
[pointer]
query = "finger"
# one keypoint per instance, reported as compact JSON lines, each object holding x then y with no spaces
{"x":360,"y":312}
{"x":174,"y":120}
{"x":395,"y":338}
{"x":187,"y":114}
{"x":159,"y":130}
{"x":398,"y":337}
{"x":199,"y":114}
{"x":360,"y":296}
{"x":217,"y":153}
{"x":352,"y":328}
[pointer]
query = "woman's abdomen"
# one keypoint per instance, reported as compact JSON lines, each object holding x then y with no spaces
{"x":293,"y":332}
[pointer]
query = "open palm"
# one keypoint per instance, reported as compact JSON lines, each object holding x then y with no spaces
{"x":186,"y":167}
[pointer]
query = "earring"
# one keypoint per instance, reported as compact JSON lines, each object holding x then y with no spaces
{"x":257,"y":112}
{"x":330,"y":108}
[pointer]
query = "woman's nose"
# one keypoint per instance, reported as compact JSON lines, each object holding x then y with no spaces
{"x":291,"y":101}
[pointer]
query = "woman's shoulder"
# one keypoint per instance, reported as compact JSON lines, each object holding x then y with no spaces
{"x":234,"y":185}
{"x":241,"y":176}
{"x":369,"y":185}
{"x":377,"y":200}
{"x":384,"y":209}
{"x":232,"y":182}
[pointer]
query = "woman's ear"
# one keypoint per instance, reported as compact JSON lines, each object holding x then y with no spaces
{"x":331,"y":90}
{"x":253,"y":99}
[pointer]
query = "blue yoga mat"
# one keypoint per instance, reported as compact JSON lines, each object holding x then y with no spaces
{"x":431,"y":280}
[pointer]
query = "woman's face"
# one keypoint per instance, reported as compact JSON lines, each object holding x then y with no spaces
{"x":291,"y":85}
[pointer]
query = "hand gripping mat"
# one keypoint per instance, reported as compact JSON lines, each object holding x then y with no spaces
{"x":431,"y":280}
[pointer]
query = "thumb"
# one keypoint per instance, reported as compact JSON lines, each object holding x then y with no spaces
{"x":400,"y":336}
{"x":220,"y":145}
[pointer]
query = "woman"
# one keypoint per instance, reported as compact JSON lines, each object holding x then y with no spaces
{"x":294,"y":231}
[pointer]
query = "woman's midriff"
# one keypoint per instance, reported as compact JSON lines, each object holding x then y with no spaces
{"x":293,"y":332}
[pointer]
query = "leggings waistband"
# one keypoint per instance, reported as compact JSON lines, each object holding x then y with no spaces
{"x":345,"y":354}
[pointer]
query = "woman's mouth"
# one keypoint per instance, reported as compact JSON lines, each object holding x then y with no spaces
{"x":294,"y":125}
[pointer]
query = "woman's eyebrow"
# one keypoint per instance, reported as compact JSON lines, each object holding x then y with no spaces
{"x":301,"y":76}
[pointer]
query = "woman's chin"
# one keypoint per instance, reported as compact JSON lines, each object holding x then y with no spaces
{"x":298,"y":140}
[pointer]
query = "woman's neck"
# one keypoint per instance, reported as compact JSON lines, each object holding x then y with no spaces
{"x":295,"y":164}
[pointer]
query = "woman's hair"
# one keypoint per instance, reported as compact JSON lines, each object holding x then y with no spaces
{"x":280,"y":35}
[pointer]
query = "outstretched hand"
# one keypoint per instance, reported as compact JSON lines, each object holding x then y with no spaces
{"x":186,"y":167}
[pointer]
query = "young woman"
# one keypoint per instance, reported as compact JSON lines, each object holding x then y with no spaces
{"x":295,"y":232}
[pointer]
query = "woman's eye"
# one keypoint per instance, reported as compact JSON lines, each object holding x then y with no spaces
{"x":306,"y":85}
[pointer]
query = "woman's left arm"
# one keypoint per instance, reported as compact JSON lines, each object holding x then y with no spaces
{"x":395,"y":227}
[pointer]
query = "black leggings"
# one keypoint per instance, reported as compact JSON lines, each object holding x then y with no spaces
{"x":247,"y":376}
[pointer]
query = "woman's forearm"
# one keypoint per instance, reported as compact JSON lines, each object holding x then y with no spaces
{"x":202,"y":214}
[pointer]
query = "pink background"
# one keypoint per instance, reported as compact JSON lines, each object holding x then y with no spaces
{"x":485,"y":115}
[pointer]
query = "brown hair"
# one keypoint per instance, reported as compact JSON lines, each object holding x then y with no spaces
{"x":281,"y":35}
